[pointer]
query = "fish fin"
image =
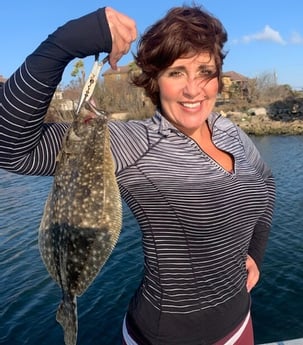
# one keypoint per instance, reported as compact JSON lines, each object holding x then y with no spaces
{"x":67,"y":317}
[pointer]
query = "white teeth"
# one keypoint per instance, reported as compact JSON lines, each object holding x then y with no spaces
{"x":191,"y":105}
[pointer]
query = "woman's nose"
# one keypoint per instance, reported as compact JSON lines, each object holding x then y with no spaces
{"x":193,"y":88}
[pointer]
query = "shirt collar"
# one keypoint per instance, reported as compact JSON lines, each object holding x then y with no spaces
{"x":161,"y":125}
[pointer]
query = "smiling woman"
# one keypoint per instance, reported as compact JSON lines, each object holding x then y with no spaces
{"x":188,"y":93}
{"x":201,"y":193}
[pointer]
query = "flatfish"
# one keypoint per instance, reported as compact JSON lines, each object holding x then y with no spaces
{"x":82,"y":215}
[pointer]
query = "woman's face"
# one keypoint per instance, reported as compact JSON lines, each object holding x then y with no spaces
{"x":187,"y":95}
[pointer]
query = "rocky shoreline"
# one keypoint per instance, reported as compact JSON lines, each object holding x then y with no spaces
{"x":263,"y":124}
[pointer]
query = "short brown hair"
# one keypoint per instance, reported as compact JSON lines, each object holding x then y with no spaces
{"x":183,"y":30}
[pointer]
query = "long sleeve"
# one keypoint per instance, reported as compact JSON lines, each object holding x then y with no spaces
{"x":262,"y":228}
{"x":27,"y":145}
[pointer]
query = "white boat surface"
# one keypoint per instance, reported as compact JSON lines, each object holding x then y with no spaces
{"x":287,"y":342}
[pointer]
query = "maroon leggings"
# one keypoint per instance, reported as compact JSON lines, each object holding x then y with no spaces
{"x":246,"y":338}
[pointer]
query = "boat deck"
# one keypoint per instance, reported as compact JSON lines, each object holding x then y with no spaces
{"x":287,"y":342}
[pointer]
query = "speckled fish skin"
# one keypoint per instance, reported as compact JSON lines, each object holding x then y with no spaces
{"x":82,"y":216}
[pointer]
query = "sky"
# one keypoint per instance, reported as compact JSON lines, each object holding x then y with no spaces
{"x":264,"y":36}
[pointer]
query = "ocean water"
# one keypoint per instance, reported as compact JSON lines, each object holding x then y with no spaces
{"x":29,"y":297}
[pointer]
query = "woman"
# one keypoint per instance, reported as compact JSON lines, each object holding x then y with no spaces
{"x":197,"y":185}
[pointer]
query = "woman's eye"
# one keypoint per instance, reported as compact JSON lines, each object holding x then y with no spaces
{"x":174,"y":74}
{"x":207,"y":72}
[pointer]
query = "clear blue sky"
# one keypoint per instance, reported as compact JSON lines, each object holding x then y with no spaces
{"x":264,"y":36}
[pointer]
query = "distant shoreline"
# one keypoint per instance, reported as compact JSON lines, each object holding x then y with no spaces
{"x":260,"y":125}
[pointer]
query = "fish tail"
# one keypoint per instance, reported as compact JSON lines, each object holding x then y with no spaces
{"x":67,"y":317}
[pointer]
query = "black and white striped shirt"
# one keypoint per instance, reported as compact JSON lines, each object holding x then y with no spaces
{"x":199,"y":222}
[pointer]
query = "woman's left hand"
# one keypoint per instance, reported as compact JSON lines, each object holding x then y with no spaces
{"x":253,"y":273}
{"x":123,"y":31}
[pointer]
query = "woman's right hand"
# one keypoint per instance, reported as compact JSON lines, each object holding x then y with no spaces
{"x":123,"y":31}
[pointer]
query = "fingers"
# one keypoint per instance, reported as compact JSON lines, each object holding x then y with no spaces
{"x":251,"y":282}
{"x":253,"y":273}
{"x":123,"y":31}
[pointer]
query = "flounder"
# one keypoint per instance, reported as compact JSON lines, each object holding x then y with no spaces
{"x":83,"y":214}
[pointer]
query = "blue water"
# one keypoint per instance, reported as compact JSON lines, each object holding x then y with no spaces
{"x":29,"y":298}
